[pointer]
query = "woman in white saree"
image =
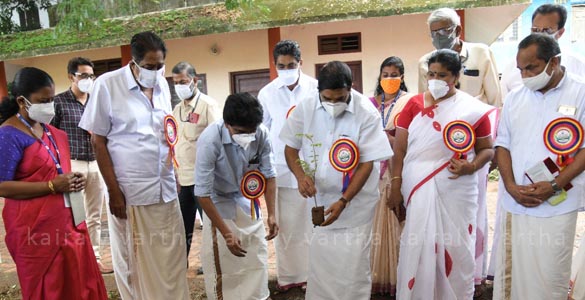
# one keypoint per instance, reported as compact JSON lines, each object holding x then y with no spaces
{"x":442,"y":140}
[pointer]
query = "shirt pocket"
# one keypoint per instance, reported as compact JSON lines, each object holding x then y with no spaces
{"x":471,"y":84}
{"x":192,"y":131}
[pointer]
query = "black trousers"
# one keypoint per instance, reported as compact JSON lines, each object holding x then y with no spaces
{"x":189,"y":206}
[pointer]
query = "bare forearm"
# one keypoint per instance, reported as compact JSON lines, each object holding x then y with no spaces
{"x":104,"y":161}
{"x":573,"y":170}
{"x":270,"y":196}
{"x":22,"y":190}
{"x":483,"y":157}
{"x":292,"y":160}
{"x":505,"y":166}
{"x":213,"y":215}
{"x":359,"y":178}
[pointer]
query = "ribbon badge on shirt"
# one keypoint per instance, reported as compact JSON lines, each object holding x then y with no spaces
{"x":253,"y":186}
{"x":459,"y":136}
{"x":171,"y":134}
{"x":344,"y":156}
{"x":290,"y":110}
{"x":563,"y":137}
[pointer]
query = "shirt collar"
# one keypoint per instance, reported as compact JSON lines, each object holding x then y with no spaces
{"x":131,"y":82}
{"x":226,"y":138}
{"x":350,"y":106}
{"x":464,"y":51}
{"x":191,"y":103}
{"x":301,"y":81}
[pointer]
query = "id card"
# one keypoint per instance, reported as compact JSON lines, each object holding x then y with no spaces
{"x":77,"y":207}
{"x":193,"y":118}
{"x":567,"y":110}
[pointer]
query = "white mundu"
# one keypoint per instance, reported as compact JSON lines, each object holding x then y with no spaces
{"x":339,"y":254}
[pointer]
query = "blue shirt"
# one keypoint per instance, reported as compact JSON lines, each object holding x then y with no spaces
{"x":221,"y":164}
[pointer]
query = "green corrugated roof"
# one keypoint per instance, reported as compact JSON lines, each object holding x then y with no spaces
{"x":215,"y":18}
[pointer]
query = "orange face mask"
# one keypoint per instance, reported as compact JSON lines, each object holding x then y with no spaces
{"x":390,"y":85}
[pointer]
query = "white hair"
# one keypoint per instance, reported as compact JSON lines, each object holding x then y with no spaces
{"x":444,"y":14}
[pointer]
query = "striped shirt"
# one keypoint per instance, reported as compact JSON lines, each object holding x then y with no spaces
{"x":68,"y":113}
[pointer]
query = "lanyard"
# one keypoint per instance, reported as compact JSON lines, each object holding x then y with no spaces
{"x":194,"y":107}
{"x":57,"y":158}
{"x":385,"y":118}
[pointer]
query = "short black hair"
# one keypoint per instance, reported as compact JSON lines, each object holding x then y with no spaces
{"x":546,"y":9}
{"x":144,"y":42}
{"x":448,"y":58}
{"x":391,"y":61}
{"x":75,"y":62}
{"x":26,"y":81}
{"x":242,"y":109}
{"x":547,"y":46}
{"x":287,"y":47}
{"x":335,"y":75}
{"x":184,"y":66}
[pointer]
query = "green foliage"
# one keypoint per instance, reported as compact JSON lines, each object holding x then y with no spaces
{"x":310,"y":168}
{"x":494,"y":175}
{"x":9,"y":7}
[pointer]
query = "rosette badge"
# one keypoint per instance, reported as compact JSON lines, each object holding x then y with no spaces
{"x":253,"y":186}
{"x":459,"y":137}
{"x":172,"y":137}
{"x":344,"y":157}
{"x":563,"y":137}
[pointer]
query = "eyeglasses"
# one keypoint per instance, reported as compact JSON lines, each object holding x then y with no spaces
{"x":84,"y":75}
{"x":443,"y":31}
{"x":543,"y":30}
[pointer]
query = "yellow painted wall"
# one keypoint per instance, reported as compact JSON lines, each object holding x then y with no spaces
{"x":56,"y":65}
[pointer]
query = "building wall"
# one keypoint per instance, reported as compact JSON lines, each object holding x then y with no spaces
{"x":56,"y":65}
{"x":237,"y":52}
{"x":404,"y":36}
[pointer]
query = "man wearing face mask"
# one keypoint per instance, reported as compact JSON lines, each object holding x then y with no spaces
{"x":278,"y":99}
{"x":234,"y":168}
{"x":480,"y":76}
{"x":549,"y":19}
{"x":129,"y":115}
{"x":193,"y":114}
{"x":348,"y":131}
{"x":69,"y":107}
{"x":541,"y":177}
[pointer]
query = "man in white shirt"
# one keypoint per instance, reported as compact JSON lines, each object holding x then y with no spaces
{"x":540,"y":209}
{"x":278,"y":99}
{"x":338,"y":129}
{"x":549,"y":19}
{"x":129,"y":115}
{"x":480,"y":76}
{"x":193,"y":114}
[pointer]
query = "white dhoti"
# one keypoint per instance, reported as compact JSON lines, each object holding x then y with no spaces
{"x":481,"y":230}
{"x":339,"y":264}
{"x":578,"y":273}
{"x":93,"y":200}
{"x":292,"y":243}
{"x":534,"y":257}
{"x":228,"y":276}
{"x":148,"y":252}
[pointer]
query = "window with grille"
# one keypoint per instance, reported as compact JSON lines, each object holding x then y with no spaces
{"x":340,"y":43}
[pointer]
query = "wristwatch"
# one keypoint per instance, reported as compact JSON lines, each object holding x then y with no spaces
{"x":345,"y":201}
{"x":556,"y":188}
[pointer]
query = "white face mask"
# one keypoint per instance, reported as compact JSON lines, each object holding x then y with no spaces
{"x":288,"y":77}
{"x":85,"y":85}
{"x":539,"y":81}
{"x":148,"y":78}
{"x":334,"y":109}
{"x":244,"y":139}
{"x":185,"y":91}
{"x":438,"y":88}
{"x":41,"y":112}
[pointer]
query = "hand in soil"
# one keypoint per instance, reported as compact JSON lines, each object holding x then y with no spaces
{"x":234,"y":245}
{"x":334,"y":211}
{"x":272,"y":228}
